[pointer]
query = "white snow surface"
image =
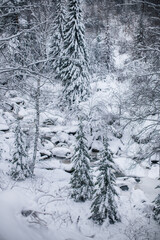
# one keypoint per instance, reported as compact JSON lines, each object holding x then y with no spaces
{"x":60,"y":218}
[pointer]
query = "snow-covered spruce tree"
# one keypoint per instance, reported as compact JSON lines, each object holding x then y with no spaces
{"x":81,"y":180}
{"x":74,"y":72}
{"x":156,"y":210}
{"x":104,"y":205}
{"x":58,"y":38}
{"x":20,"y":169}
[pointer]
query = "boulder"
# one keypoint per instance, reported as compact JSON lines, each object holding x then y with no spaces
{"x":61,"y":152}
{"x":18,"y":100}
{"x":45,"y":154}
{"x":124,"y":188}
{"x":4,"y":127}
{"x":3,"y":124}
{"x":71,"y":129}
{"x":62,"y":137}
{"x":137,"y":179}
{"x":48,"y":145}
{"x":97,"y":146}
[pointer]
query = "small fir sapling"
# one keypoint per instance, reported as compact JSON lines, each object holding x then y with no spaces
{"x":156,"y":209}
{"x":104,"y":205}
{"x":81,"y":180}
{"x":20,"y":169}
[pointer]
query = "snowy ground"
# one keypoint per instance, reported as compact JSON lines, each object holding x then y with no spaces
{"x":59,"y":217}
{"x":53,"y":215}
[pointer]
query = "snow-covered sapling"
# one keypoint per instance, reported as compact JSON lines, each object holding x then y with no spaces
{"x":104,"y":205}
{"x":156,"y":209}
{"x":20,"y":169}
{"x":81,"y":180}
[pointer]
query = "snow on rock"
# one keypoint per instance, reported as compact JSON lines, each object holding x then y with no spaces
{"x":28,"y":113}
{"x":6,"y":145}
{"x":9,"y":117}
{"x":3,"y":124}
{"x":61,"y":152}
{"x":51,"y":118}
{"x":45,"y":130}
{"x":44,"y":154}
{"x":58,"y":129}
{"x":4,"y":127}
{"x":62,"y":137}
{"x":18,"y":100}
{"x":48,"y":119}
{"x":55,"y":139}
{"x":71,"y":129}
{"x":97,"y":146}
{"x":148,"y":185}
{"x":120,"y":59}
{"x":47,"y":144}
{"x":53,"y":129}
{"x":12,"y":94}
{"x":154,"y":172}
{"x":138,"y":196}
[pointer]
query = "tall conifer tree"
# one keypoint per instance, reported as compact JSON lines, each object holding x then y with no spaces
{"x":75,"y":75}
{"x":56,"y":52}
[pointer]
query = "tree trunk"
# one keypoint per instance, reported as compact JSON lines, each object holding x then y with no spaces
{"x":36,"y":126}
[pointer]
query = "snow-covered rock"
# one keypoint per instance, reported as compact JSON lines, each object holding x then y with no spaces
{"x":97,"y":146}
{"x":47,"y":144}
{"x":4,"y":127}
{"x":62,"y":137}
{"x":71,"y":129}
{"x":61,"y":152}
{"x":51,"y":118}
{"x":45,"y":154}
{"x":26,"y":113}
{"x":55,"y":139}
{"x":3,"y":124}
{"x":18,"y":100}
{"x":124,"y":188}
{"x":138,"y":197}
{"x":12,"y":94}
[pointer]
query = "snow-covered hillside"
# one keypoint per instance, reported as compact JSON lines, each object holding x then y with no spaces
{"x":79,"y":120}
{"x":40,"y":208}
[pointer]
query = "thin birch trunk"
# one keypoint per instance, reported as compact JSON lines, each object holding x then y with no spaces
{"x":36,"y":126}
